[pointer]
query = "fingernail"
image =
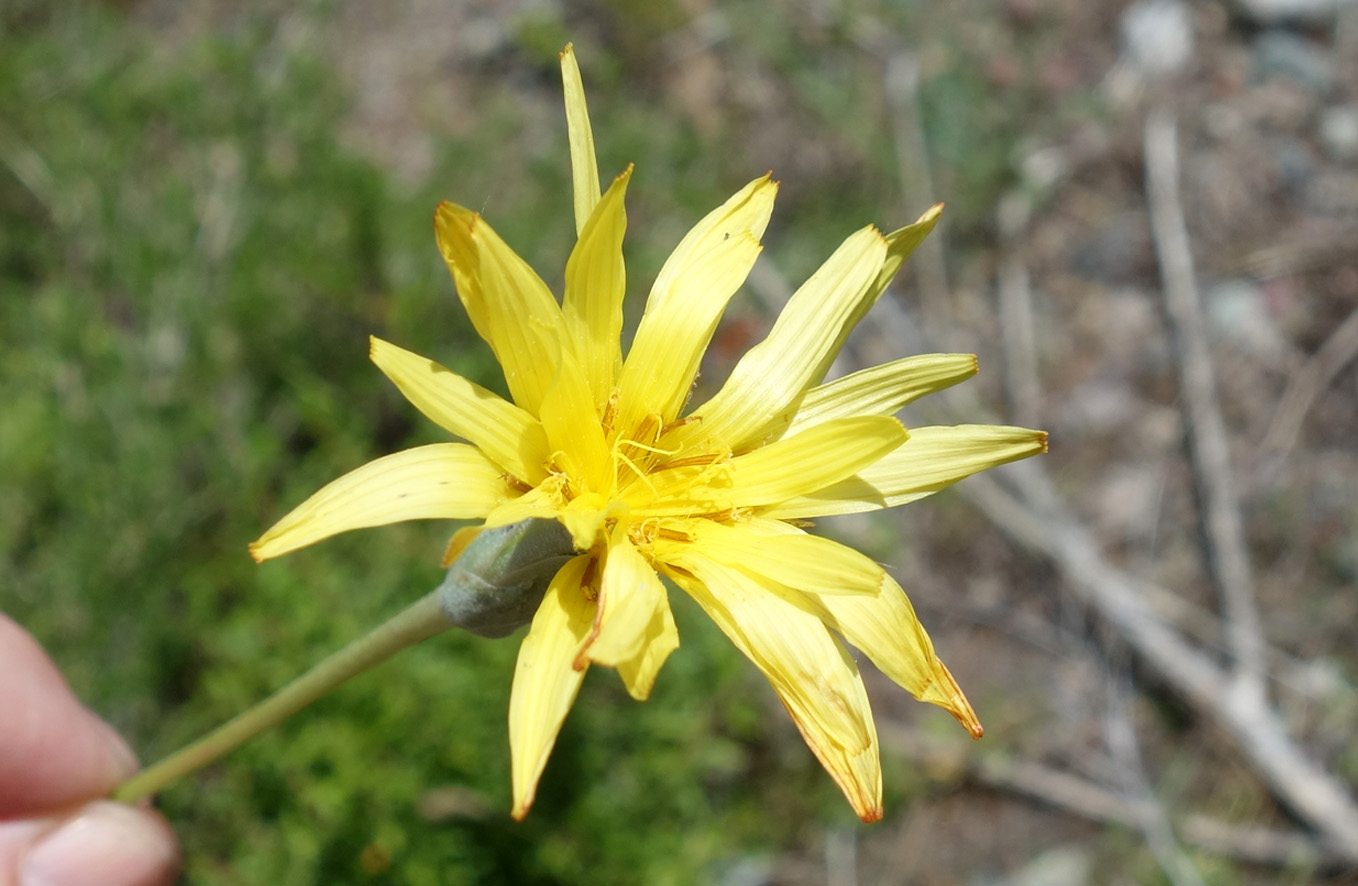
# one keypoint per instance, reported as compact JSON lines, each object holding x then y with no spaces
{"x":106,"y":843}
{"x":122,"y":760}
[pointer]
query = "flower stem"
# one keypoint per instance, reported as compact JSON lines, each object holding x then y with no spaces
{"x":419,"y":621}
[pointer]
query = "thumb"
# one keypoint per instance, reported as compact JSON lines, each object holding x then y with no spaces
{"x":54,"y":752}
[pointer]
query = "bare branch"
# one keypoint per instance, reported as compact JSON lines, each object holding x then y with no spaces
{"x":1082,"y":797}
{"x":1294,"y":778}
{"x":1306,"y":385}
{"x":1210,"y":453}
{"x":1149,"y":812}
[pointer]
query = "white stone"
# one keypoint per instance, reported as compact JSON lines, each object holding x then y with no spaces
{"x":1157,"y":35}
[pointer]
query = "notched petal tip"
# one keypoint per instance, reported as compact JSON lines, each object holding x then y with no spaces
{"x":568,"y":49}
{"x":931,"y":214}
{"x":945,"y":693}
{"x":254,"y":552}
{"x":1042,"y":441}
{"x":870,"y":816}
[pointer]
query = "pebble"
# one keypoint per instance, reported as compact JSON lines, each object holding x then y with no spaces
{"x":1297,"y":12}
{"x":1237,"y":311}
{"x":1339,"y":133}
{"x":1157,"y":36}
{"x":1059,"y":866}
{"x":1282,"y":53}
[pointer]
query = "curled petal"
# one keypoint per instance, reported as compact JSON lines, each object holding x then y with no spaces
{"x":886,"y":630}
{"x":775,"y":551}
{"x":815,"y":678}
{"x":638,"y":673}
{"x":630,"y":596}
{"x":508,"y":303}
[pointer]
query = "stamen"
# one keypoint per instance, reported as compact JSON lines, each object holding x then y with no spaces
{"x":656,"y":449}
{"x":646,"y":430}
{"x":589,"y":582}
{"x":610,"y":413}
{"x":706,"y":458}
{"x":643,"y":534}
{"x":515,"y":483}
{"x":641,"y":475}
{"x":680,"y":422}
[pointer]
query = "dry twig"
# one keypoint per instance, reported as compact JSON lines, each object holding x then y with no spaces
{"x":1210,"y":453}
{"x":1082,"y":797}
{"x":1146,"y":808}
{"x":1306,"y":385}
{"x":1037,"y":520}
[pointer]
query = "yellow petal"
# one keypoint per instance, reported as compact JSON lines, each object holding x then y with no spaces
{"x":630,"y":595}
{"x":542,"y":502}
{"x":508,"y":435}
{"x":508,"y":303}
{"x":932,"y":459}
{"x":791,"y":467}
{"x":584,"y":168}
{"x":814,"y":677}
{"x":639,"y":672}
{"x":574,"y":435}
{"x":781,"y":553}
{"x":882,"y":390}
{"x":444,"y":481}
{"x":758,"y":400}
{"x":585,"y":515}
{"x":887,"y":631}
{"x":900,"y":243}
{"x":595,"y":282}
{"x":545,"y":680}
{"x":458,"y":543}
{"x":688,"y":297}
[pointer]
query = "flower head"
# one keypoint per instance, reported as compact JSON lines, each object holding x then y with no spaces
{"x":714,"y":498}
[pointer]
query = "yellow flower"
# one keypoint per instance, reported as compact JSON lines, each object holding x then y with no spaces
{"x":714,"y":500}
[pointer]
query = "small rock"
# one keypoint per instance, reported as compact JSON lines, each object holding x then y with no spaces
{"x":1292,"y":12}
{"x":1339,"y":133}
{"x":1237,"y":311}
{"x":1058,"y":866}
{"x":1157,"y":36}
{"x":1284,"y":53}
{"x":1294,"y":162}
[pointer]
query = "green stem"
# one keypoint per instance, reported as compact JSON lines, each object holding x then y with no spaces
{"x":417,"y":622}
